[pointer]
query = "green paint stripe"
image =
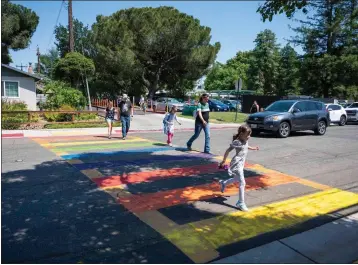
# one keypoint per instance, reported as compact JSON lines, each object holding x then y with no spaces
{"x":103,"y":147}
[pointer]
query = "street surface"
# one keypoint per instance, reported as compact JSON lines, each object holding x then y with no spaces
{"x":87,"y":199}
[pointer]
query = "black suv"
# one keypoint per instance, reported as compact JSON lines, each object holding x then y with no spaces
{"x":285,"y":116}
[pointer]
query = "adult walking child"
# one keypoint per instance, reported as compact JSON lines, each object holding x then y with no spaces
{"x":236,"y":170}
{"x":168,"y":122}
{"x":110,"y":112}
{"x":202,"y":122}
{"x":125,"y":112}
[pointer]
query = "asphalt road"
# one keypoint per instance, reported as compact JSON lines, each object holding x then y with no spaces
{"x":330,"y":159}
{"x":53,"y":213}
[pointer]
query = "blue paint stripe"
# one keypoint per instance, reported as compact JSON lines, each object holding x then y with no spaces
{"x":137,"y":162}
{"x":117,"y":153}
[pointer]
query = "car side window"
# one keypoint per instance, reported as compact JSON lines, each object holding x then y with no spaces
{"x":300,"y":106}
{"x":311,"y":106}
{"x":336,"y":107}
{"x":330,"y":107}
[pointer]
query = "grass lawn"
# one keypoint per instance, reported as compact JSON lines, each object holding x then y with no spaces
{"x":80,"y":125}
{"x":223,"y":117}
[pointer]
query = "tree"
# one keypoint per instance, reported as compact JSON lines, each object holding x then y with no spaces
{"x":264,"y":66}
{"x":289,"y":75}
{"x":152,"y":48}
{"x":220,"y":77}
{"x":81,"y":35}
{"x":274,"y":7}
{"x":73,"y":68}
{"x":18,"y":24}
{"x":48,"y":61}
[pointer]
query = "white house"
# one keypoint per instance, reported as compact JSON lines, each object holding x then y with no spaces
{"x":17,"y":85}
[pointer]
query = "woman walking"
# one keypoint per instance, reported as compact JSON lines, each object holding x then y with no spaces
{"x":202,"y":122}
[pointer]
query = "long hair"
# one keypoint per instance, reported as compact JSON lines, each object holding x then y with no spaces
{"x":109,"y":105}
{"x":242,"y":129}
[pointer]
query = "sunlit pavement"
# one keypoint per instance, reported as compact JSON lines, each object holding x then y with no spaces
{"x":89,"y":199}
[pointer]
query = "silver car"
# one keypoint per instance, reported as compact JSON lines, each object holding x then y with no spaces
{"x":161,"y":104}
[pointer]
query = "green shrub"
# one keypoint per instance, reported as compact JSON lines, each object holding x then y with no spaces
{"x":60,"y":117}
{"x":86,"y":116}
{"x":8,"y":119}
{"x":60,"y":94}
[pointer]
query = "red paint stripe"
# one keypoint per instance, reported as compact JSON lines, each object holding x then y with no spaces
{"x":180,"y":130}
{"x":163,"y":199}
{"x":147,"y":176}
{"x":7,"y":135}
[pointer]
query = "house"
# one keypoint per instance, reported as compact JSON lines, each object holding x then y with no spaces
{"x":17,"y":85}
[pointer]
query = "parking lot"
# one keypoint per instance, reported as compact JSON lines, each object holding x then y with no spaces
{"x":87,"y":199}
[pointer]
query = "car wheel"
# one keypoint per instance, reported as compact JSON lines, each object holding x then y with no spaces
{"x":342,"y":120}
{"x":284,"y":130}
{"x":321,"y":128}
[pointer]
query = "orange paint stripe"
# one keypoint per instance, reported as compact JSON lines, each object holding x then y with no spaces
{"x":147,"y":176}
{"x":163,"y":199}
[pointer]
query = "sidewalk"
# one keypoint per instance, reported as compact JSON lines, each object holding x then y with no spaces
{"x":152,"y":122}
{"x":334,"y":242}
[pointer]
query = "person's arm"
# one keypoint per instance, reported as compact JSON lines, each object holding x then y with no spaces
{"x":227,"y":152}
{"x":177,"y":119}
{"x":253,"y":148}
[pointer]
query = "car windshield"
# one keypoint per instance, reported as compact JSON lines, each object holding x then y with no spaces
{"x":173,"y":100}
{"x":280,"y":106}
{"x":216,"y":101}
{"x":354,"y":105}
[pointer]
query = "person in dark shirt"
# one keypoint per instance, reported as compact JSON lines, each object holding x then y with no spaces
{"x":202,"y":122}
{"x":125,"y":113}
{"x":255,"y":107}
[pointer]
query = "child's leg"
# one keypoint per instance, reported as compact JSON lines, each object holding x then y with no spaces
{"x":168,"y":141}
{"x":224,"y":183}
{"x":242,"y":184}
{"x":171,"y":137}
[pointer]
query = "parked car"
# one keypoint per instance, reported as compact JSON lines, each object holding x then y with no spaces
{"x":232,"y":104}
{"x":161,"y":104}
{"x":337,"y":114}
{"x":217,"y":105}
{"x":284,"y":116}
{"x":352,"y":112}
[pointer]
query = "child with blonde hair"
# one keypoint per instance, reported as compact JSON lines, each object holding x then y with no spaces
{"x":168,"y":123}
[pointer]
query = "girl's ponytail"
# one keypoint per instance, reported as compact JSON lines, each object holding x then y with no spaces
{"x":242,"y":129}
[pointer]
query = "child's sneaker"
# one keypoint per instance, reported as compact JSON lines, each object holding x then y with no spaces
{"x":242,"y":206}
{"x":222,"y":185}
{"x":170,"y":144}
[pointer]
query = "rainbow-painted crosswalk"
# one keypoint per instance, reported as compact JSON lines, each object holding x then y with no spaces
{"x":176,"y":192}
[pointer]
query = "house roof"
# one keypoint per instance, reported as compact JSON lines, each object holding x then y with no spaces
{"x":37,"y":78}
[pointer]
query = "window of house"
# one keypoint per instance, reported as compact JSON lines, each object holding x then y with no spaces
{"x":11,"y":89}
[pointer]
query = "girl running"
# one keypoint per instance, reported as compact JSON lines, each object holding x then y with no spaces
{"x":236,"y":169}
{"x":110,"y":111}
{"x":168,"y":122}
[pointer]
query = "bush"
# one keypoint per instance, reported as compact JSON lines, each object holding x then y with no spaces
{"x":60,"y":117}
{"x":86,"y":116}
{"x":8,"y":119}
{"x":60,"y":94}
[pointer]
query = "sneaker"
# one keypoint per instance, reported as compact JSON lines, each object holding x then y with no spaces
{"x":109,"y":137}
{"x":242,"y":206}
{"x":170,"y":144}
{"x":123,"y":138}
{"x":222,"y":185}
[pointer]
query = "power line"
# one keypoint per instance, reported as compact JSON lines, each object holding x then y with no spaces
{"x":58,"y":17}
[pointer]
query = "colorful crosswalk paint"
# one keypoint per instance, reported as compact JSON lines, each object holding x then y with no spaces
{"x":154,"y":181}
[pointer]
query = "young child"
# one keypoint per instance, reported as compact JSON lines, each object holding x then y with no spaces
{"x":236,"y":169}
{"x":110,"y":112}
{"x":168,"y":122}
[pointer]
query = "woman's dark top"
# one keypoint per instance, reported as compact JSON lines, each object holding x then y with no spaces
{"x":254,"y":109}
{"x":110,"y":113}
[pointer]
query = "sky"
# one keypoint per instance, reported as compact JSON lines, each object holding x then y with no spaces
{"x":234,"y":24}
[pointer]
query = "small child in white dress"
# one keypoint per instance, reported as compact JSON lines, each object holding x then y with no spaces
{"x":237,"y":164}
{"x":168,"y":123}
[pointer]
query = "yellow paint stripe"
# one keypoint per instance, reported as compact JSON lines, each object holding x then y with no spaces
{"x":74,"y":161}
{"x":60,"y":153}
{"x":92,"y":173}
{"x":114,"y":187}
{"x":51,"y":145}
{"x":313,"y":184}
{"x":238,"y":226}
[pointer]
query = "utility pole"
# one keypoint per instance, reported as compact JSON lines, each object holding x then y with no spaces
{"x":38,"y":60}
{"x":70,"y":27}
{"x":21,"y":66}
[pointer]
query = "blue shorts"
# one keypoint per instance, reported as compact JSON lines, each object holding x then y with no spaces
{"x":109,"y":120}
